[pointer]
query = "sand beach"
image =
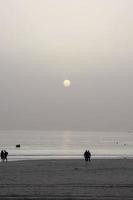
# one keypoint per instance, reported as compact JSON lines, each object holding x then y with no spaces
{"x":101,"y":179}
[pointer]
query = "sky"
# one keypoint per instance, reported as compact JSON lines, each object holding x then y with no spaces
{"x":44,"y":42}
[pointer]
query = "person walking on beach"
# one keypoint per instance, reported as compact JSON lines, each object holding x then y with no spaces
{"x":89,"y":155}
{"x":2,"y":155}
{"x":5,"y":155}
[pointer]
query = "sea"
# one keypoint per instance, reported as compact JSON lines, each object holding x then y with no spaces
{"x":65,"y":144}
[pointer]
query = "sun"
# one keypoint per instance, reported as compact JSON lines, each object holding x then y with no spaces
{"x":66,"y":83}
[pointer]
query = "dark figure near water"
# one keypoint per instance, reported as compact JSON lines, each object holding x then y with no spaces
{"x":87,"y":156}
{"x":4,"y":155}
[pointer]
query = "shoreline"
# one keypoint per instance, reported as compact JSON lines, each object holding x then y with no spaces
{"x":53,"y":157}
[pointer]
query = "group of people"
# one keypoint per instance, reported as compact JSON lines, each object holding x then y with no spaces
{"x":87,"y":156}
{"x":4,"y":154}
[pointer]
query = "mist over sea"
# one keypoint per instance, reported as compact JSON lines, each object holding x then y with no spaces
{"x":66,"y":144}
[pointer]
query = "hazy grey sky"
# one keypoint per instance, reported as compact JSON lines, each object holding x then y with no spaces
{"x":43,"y":42}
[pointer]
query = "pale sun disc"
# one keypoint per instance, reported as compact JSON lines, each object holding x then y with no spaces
{"x":66,"y":83}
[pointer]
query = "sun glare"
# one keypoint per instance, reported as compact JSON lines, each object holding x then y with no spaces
{"x":66,"y":83}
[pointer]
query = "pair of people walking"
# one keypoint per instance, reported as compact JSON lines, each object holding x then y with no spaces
{"x":87,"y":156}
{"x":4,"y":154}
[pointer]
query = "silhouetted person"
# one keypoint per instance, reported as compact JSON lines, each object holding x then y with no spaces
{"x":89,"y":155}
{"x":5,"y":155}
{"x":2,"y":155}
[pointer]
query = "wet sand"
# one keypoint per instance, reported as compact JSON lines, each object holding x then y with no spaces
{"x":101,"y":179}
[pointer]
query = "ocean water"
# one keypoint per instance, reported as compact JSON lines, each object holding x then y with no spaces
{"x":66,"y":144}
